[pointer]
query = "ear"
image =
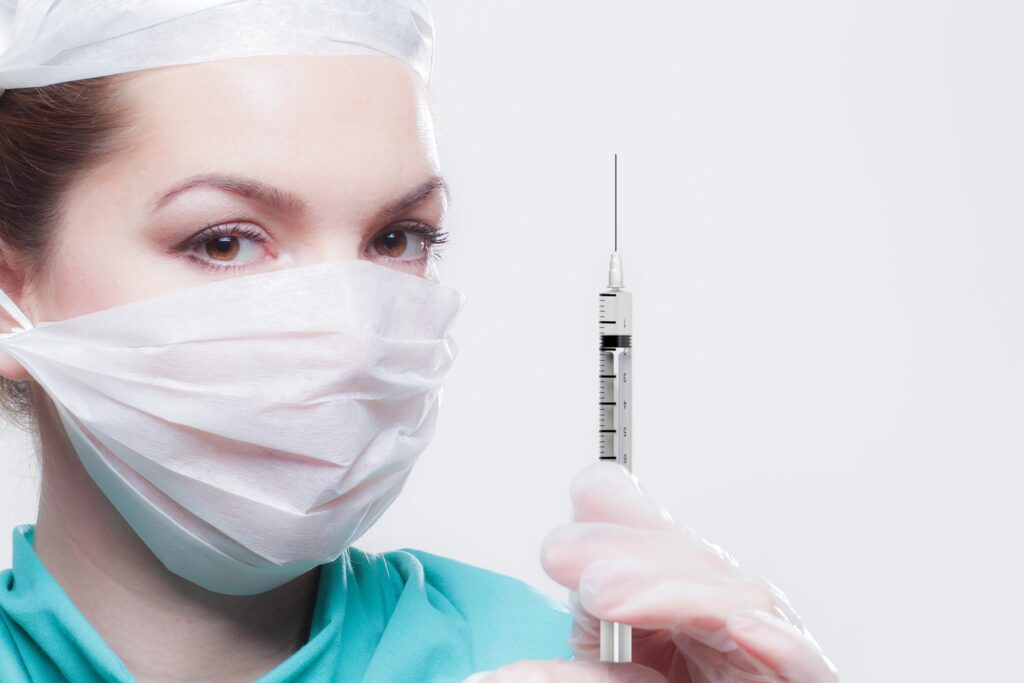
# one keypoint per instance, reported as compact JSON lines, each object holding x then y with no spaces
{"x":12,"y":282}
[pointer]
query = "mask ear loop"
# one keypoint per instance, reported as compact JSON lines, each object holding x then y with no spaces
{"x":15,"y":312}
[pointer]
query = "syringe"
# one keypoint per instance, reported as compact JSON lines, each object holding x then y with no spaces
{"x":615,"y":320}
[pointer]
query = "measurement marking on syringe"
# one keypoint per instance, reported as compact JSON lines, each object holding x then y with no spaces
{"x":607,"y":403}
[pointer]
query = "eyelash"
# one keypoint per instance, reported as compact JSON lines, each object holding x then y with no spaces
{"x":434,"y":237}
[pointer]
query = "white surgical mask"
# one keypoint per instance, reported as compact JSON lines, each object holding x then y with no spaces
{"x":253,"y":427}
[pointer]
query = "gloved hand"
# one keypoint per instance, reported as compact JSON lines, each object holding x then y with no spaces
{"x":697,"y":617}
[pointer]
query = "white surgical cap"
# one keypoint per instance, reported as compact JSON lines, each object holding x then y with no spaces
{"x":51,"y":41}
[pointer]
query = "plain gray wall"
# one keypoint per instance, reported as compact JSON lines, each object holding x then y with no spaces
{"x":819,"y":217}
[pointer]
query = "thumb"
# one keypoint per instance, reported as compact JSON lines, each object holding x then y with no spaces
{"x":788,"y":653}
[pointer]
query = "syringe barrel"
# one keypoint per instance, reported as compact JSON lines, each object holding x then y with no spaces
{"x":615,"y":315}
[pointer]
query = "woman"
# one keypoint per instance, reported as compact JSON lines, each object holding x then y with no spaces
{"x":226,"y":329}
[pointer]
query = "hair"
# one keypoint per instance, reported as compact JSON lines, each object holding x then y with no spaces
{"x":49,"y":137}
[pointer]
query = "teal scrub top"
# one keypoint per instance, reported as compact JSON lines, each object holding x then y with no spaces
{"x":402,"y":615}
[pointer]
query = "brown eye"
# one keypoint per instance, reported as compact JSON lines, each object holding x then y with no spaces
{"x":393,"y":244}
{"x":228,"y":245}
{"x":408,"y":243}
{"x":223,"y":248}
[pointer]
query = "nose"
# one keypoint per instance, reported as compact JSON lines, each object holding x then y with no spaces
{"x":330,"y":244}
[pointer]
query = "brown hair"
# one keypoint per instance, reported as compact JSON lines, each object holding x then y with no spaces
{"x":49,"y":136}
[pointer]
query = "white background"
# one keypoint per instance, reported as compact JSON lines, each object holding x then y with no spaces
{"x":820,"y":221}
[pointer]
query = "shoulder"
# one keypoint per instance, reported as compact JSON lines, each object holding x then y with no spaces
{"x":508,"y":619}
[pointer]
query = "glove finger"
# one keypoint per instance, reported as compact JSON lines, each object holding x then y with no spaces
{"x":608,"y":492}
{"x":568,"y":549}
{"x":568,"y":671}
{"x":681,"y":599}
{"x":789,"y":653}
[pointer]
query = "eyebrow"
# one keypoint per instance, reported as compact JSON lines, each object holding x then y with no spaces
{"x":287,"y":202}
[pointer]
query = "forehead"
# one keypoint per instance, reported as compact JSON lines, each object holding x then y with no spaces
{"x":309,"y":121}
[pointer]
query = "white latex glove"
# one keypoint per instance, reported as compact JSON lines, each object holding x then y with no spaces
{"x":697,"y":617}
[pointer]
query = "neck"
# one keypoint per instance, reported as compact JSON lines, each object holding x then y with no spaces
{"x":163,"y":627}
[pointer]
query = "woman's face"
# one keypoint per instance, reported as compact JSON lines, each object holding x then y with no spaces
{"x":244,"y":166}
